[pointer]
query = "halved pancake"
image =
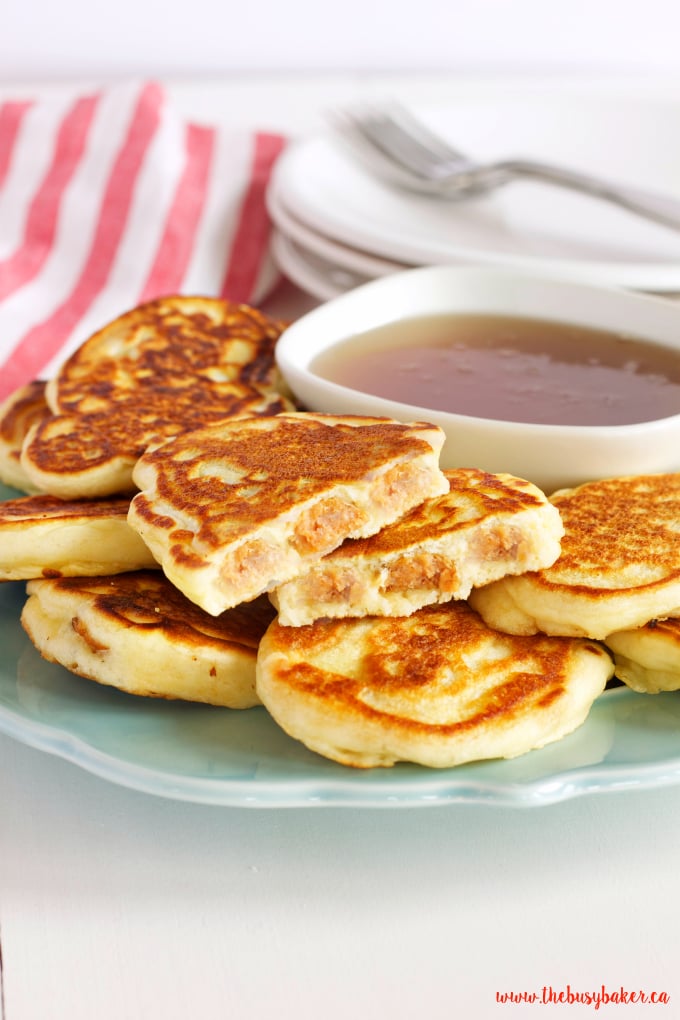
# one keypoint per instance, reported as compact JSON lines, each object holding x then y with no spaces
{"x":648,"y":658}
{"x":438,"y":688}
{"x":164,"y":367}
{"x":235,"y":509}
{"x":136,"y":632}
{"x":43,"y":536}
{"x":18,"y":413}
{"x":484,"y":527}
{"x":619,"y":566}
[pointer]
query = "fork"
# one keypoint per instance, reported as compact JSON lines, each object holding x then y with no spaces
{"x":396,"y":146}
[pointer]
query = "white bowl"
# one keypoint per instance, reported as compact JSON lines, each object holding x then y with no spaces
{"x":552,"y":456}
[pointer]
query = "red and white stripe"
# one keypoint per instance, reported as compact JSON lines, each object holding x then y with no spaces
{"x":111,"y":199}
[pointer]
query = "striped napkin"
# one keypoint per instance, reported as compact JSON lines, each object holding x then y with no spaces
{"x":110,"y":199}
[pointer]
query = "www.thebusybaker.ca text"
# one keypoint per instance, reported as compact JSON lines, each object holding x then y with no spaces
{"x":602,"y":997}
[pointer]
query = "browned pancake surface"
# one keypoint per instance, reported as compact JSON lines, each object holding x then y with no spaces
{"x":619,"y":533}
{"x":163,"y":368}
{"x":18,"y":414}
{"x":619,"y":566}
{"x":42,"y":507}
{"x":145,"y":600}
{"x":136,"y":632}
{"x":170,"y":348}
{"x":437,"y":687}
{"x":399,"y":663}
{"x":21,"y":410}
{"x":68,"y":444}
{"x":483,"y":495}
{"x":236,"y":477}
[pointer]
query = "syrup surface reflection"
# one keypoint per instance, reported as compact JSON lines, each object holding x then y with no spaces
{"x":510,"y":369}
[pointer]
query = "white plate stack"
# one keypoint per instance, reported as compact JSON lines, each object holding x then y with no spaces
{"x":337,"y":227}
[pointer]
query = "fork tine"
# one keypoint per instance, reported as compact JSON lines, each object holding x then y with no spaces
{"x":398,"y":136}
{"x":377,"y":128}
{"x":359,"y":132}
{"x":367,"y":130}
{"x":392,"y":137}
{"x":362,"y":141}
{"x":421,"y":133}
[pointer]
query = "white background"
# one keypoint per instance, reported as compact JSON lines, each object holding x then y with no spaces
{"x":122,"y":906}
{"x":76,"y":38}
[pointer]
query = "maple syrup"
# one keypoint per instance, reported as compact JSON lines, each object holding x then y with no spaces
{"x":511,"y":369}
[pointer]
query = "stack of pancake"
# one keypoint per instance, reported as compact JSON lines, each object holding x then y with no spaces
{"x":188,"y":533}
{"x":617,"y":579}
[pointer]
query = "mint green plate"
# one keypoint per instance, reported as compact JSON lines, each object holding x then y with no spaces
{"x":241,"y":759}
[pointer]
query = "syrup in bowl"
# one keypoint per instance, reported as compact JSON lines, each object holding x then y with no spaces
{"x":510,"y":368}
{"x":600,"y":343}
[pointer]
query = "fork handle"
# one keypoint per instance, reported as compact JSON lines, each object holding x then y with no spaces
{"x":659,"y":208}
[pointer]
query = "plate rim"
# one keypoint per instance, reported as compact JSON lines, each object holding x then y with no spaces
{"x":291,"y":260}
{"x":437,"y":788}
{"x":344,"y":256}
{"x":331,"y":221}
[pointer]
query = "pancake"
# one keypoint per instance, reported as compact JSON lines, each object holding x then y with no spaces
{"x":647,"y":658}
{"x":92,"y":456}
{"x":42,"y":536}
{"x":220,"y":341}
{"x":166,"y":366}
{"x":438,"y":688}
{"x":18,"y":413}
{"x":235,"y":509}
{"x":136,"y":632}
{"x":484,"y":527}
{"x":619,"y":566}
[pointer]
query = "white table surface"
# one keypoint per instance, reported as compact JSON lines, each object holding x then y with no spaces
{"x":117,"y":904}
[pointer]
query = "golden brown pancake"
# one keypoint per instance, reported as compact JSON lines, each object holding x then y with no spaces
{"x":218,"y":340}
{"x":438,"y":688}
{"x":619,"y":566}
{"x":136,"y":632}
{"x":484,"y":527}
{"x":18,"y":413}
{"x":43,"y":536}
{"x":237,"y":508}
{"x":648,"y":658}
{"x":167,"y":366}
